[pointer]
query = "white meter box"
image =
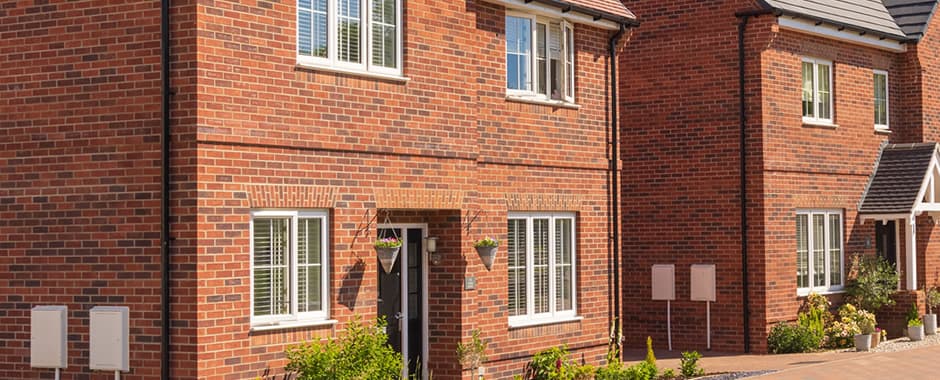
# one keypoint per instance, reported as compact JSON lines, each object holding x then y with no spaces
{"x":109,"y":344}
{"x":664,"y":282}
{"x":703,"y":282}
{"x":48,"y":334}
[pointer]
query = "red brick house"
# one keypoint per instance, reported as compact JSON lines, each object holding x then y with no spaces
{"x":224,"y":175}
{"x":789,"y":121}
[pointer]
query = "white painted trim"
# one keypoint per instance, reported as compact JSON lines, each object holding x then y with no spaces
{"x":549,"y":11}
{"x":542,"y":102}
{"x":531,"y":322}
{"x":404,"y":294}
{"x":911,"y":251}
{"x":292,"y":325}
{"x":833,"y":32}
{"x":877,"y":217}
{"x":310,"y":64}
{"x":897,"y":248}
{"x":887,"y":125}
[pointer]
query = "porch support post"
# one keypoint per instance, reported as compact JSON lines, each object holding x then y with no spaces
{"x":911,"y":248}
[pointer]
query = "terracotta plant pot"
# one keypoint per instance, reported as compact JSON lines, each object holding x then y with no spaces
{"x":387,"y":257}
{"x":487,"y":256}
{"x":875,"y":339}
{"x":862,"y":342}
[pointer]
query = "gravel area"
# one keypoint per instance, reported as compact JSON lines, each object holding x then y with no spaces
{"x":902,"y":344}
{"x":734,"y":375}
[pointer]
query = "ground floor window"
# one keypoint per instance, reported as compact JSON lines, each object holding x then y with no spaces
{"x":289,"y":268}
{"x":541,"y":254}
{"x":819,"y":261}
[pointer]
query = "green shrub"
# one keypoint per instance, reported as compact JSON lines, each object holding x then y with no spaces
{"x":361,"y":353}
{"x":688,"y":364}
{"x":912,"y":313}
{"x":813,"y":321}
{"x":645,"y":370}
{"x":554,"y":364}
{"x":787,"y":338}
{"x":473,"y":354}
{"x":872,"y":282}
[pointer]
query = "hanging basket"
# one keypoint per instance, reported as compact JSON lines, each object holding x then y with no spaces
{"x":487,"y":256}
{"x":387,"y":256}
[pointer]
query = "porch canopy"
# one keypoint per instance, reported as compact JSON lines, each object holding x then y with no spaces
{"x":903,"y":187}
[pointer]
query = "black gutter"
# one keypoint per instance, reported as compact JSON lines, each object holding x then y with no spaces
{"x":614,"y":187}
{"x":165,"y":192}
{"x":742,"y":118}
{"x":598,"y":15}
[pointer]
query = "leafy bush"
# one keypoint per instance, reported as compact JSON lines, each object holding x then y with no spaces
{"x":688,"y":364}
{"x":473,"y":354}
{"x":645,"y":370}
{"x":932,"y":298}
{"x":866,"y":322}
{"x":872,"y":282}
{"x":362,"y":353}
{"x":554,"y":364}
{"x":912,"y":314}
{"x":788,"y":338}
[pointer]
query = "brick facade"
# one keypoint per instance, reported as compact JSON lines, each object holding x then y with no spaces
{"x":80,"y":166}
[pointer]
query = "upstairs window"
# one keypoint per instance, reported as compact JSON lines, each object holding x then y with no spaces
{"x":539,"y":58}
{"x":817,"y":91}
{"x":353,"y":35}
{"x":881,"y":99}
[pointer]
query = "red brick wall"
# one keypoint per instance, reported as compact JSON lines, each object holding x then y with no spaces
{"x":681,"y":204}
{"x":448,"y":128}
{"x":79,"y":174}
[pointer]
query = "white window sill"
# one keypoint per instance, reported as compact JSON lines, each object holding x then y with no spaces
{"x":882,"y":129}
{"x":284,"y":325}
{"x":819,"y":123}
{"x":543,"y":102}
{"x":360,"y":73}
{"x":825,"y":292}
{"x":540,"y":322}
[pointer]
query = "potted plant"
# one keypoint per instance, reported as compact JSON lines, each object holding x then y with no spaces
{"x":932,"y":298}
{"x":866,"y":326}
{"x":387,"y":251}
{"x":876,"y":337}
{"x":486,"y":248}
{"x":915,"y":330}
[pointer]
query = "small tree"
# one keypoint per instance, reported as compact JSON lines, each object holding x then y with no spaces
{"x":931,"y":298}
{"x":872,"y":282}
{"x":473,"y":354}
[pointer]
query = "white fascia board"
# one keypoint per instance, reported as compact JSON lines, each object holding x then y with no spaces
{"x":833,"y":32}
{"x":552,"y":12}
{"x":885,"y":217}
{"x":919,"y":205}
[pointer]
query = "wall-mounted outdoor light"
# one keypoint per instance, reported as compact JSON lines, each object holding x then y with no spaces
{"x":430,"y":243}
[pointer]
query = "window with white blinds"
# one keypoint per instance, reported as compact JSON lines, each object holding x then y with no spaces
{"x":819,"y":264}
{"x":552,"y":62}
{"x":288,"y":266}
{"x":541,"y":256}
{"x":352,"y":35}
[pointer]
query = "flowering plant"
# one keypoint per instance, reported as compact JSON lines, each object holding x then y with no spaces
{"x":866,"y":321}
{"x":388,"y":242}
{"x":486,"y":242}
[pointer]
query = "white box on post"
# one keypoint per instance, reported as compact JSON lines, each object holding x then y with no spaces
{"x":664,"y":288}
{"x":109,"y":333}
{"x":703,"y":289}
{"x":48,"y":334}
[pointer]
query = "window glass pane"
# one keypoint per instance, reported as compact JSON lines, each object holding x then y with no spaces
{"x":819,"y":250}
{"x":569,"y":62}
{"x":555,"y":82}
{"x":309,"y":265}
{"x":808,"y":90}
{"x":304,"y":32}
{"x":348,"y":30}
{"x":384,"y":34}
{"x":564,"y":282}
{"x":835,"y":250}
{"x":881,"y":99}
{"x":541,"y":53}
{"x":312,"y":28}
{"x":518,"y":53}
{"x":802,"y":251}
{"x":540,"y":265}
{"x":271,"y":256}
{"x":823,"y":92}
{"x":516,"y":247}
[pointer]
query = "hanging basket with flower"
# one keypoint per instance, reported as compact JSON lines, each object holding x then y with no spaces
{"x":387,"y":251}
{"x":486,"y":248}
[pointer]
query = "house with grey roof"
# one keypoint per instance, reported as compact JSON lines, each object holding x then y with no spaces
{"x":781,"y":139}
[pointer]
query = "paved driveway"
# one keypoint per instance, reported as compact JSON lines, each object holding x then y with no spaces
{"x":919,"y":363}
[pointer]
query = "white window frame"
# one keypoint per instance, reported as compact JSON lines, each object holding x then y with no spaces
{"x":567,"y":52}
{"x":887,"y":125}
{"x":332,"y":61}
{"x":815,"y":119}
{"x":294,"y":316}
{"x":810,"y":239}
{"x":530,"y":317}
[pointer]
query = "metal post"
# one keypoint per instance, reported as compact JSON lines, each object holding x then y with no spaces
{"x":669,"y":322}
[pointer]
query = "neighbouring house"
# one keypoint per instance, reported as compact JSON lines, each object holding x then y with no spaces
{"x":297,"y":134}
{"x":831,"y":103}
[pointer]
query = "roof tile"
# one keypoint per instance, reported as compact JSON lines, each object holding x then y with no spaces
{"x":898,"y":177}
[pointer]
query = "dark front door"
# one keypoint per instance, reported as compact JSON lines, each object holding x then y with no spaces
{"x":886,"y":241}
{"x":404,"y":328}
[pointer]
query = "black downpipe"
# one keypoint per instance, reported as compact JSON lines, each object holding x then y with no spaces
{"x":742,"y":118}
{"x":165,"y":191}
{"x":614,"y":188}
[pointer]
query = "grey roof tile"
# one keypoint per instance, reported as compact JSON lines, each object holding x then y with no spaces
{"x":897,"y":179}
{"x":864,"y":15}
{"x":912,"y":16}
